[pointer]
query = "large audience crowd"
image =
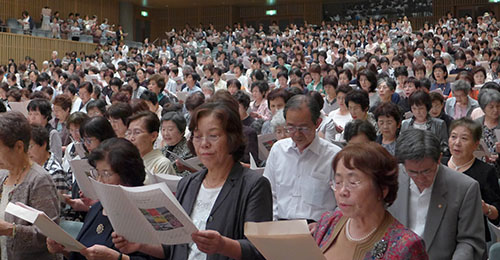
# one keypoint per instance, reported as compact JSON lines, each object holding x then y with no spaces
{"x":386,"y":138}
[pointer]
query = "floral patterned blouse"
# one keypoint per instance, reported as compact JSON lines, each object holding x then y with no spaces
{"x":395,"y":241}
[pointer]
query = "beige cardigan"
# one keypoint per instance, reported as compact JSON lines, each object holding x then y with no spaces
{"x":37,"y":190}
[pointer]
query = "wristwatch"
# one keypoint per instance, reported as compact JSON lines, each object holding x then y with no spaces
{"x":489,"y":211}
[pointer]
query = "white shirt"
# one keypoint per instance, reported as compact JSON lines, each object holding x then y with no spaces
{"x":300,"y":182}
{"x":418,"y":208}
{"x":201,"y":211}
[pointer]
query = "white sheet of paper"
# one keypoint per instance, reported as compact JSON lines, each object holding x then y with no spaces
{"x":277,"y":240}
{"x":147,"y":214}
{"x":495,"y":229}
{"x":171,"y":180}
{"x":497,"y":134}
{"x":182,"y":95}
{"x":48,"y":227}
{"x":253,"y":165}
{"x":81,"y":171}
{"x":80,"y":150}
{"x":20,"y":107}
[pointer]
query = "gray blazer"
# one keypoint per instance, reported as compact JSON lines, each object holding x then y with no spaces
{"x":449,"y":107}
{"x":454,"y":227}
{"x":435,"y":125}
{"x":245,"y":196}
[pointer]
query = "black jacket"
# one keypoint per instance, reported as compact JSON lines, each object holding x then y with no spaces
{"x":245,"y":196}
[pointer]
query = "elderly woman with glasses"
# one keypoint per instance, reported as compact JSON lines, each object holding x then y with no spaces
{"x":365,"y":183}
{"x":489,"y":101}
{"x":461,"y":104}
{"x":221,"y":198}
{"x":117,"y":162}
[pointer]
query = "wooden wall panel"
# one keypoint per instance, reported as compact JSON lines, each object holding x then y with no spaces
{"x":102,"y":8}
{"x":18,"y":46}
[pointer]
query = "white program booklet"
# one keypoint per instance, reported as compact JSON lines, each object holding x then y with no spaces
{"x":277,"y":240}
{"x":171,"y":180}
{"x":193,"y":163}
{"x":82,"y":172}
{"x":147,"y":214}
{"x":266,"y":142}
{"x":48,"y":227}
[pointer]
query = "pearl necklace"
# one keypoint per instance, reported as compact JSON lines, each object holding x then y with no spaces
{"x":463,"y":165}
{"x":349,"y":237}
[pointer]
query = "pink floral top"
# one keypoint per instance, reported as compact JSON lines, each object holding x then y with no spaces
{"x":262,"y":110}
{"x":398,"y":242}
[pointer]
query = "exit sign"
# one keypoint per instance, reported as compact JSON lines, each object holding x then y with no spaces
{"x":271,"y":12}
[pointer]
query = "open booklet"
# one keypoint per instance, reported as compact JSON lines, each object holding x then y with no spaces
{"x":82,"y":171}
{"x":193,"y":163}
{"x":48,"y":227}
{"x":266,"y":142}
{"x":169,"y":179}
{"x":277,"y":240}
{"x":147,"y":214}
{"x":20,"y":107}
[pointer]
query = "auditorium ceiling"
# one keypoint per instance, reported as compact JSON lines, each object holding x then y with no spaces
{"x":197,"y":3}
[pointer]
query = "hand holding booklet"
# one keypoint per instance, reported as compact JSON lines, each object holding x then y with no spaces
{"x":278,"y":240}
{"x":147,"y":214}
{"x":48,"y":227}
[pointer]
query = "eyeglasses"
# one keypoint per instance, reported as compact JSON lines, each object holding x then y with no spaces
{"x":134,"y":132}
{"x":348,"y":185}
{"x":102,"y":174}
{"x":293,"y":129}
{"x":87,"y":140}
{"x":197,"y":139}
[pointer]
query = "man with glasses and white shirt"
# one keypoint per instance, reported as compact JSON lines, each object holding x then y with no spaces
{"x":440,"y":205}
{"x":300,"y":167}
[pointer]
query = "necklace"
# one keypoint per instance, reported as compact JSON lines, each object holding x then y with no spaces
{"x":19,"y":176}
{"x":349,"y":237}
{"x":461,"y":166}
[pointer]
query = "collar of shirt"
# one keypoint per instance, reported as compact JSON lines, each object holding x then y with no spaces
{"x":314,"y":146}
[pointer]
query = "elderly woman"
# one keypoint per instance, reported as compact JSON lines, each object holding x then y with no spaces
{"x":365,"y":183}
{"x":420,"y":104}
{"x":358,"y":102}
{"x":25,"y":182}
{"x":173,"y":127}
{"x":388,"y":121}
{"x":489,"y":101}
{"x":461,"y":104}
{"x":385,"y":87}
{"x":465,"y":135}
{"x":73,"y":123}
{"x":259,"y":107}
{"x":278,"y":123}
{"x":61,"y":108}
{"x":359,"y":131}
{"x":118,"y":162}
{"x":233,"y":194}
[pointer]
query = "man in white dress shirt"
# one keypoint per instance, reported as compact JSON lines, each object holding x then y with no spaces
{"x":300,"y":167}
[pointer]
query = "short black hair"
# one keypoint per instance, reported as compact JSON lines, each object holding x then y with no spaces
{"x":242,"y":98}
{"x":98,"y":127}
{"x":360,"y":97}
{"x":150,"y":96}
{"x":151,"y":120}
{"x":357,"y":127}
{"x":420,"y":97}
{"x":124,"y":159}
{"x":40,"y":135}
{"x":99,"y":104}
{"x":43,"y":106}
{"x":120,"y":110}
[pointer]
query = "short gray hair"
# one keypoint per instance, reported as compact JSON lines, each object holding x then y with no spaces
{"x":416,"y":144}
{"x":461,"y":85}
{"x":487,"y":96}
{"x":277,"y":120}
